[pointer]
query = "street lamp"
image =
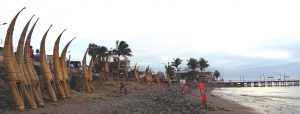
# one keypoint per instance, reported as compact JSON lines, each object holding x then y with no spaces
{"x":242,"y":76}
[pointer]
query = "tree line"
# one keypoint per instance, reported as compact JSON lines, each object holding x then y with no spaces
{"x":192,"y":65}
{"x":100,"y":55}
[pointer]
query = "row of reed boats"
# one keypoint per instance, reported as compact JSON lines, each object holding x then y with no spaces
{"x":21,"y":77}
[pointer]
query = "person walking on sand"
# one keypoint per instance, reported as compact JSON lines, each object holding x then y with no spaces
{"x":203,"y":93}
{"x":185,"y":89}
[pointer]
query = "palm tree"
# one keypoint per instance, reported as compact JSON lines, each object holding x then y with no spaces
{"x":92,"y":51}
{"x":101,"y":51}
{"x":103,"y":61}
{"x":176,"y":63}
{"x":122,"y":49}
{"x":203,"y":64}
{"x":217,"y":74}
{"x":192,"y":65}
{"x":169,"y":72}
{"x":106,"y":65}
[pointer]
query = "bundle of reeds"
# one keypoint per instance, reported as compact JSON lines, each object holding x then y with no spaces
{"x":35,"y":83}
{"x":59,"y":80}
{"x":90,"y":71}
{"x":157,"y":78}
{"x":26,"y":88}
{"x":9,"y":61}
{"x":64,"y":70}
{"x":135,"y":73}
{"x":148,"y":75}
{"x":85,"y":74}
{"x":48,"y":76}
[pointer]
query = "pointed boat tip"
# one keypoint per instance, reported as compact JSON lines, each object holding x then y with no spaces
{"x":32,"y":16}
{"x":23,"y":8}
{"x":37,"y":19}
{"x":63,"y":31}
{"x":50,"y":27}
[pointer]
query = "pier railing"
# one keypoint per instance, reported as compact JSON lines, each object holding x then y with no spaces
{"x":259,"y":83}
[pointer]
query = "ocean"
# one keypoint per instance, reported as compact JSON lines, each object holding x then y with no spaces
{"x":272,"y":100}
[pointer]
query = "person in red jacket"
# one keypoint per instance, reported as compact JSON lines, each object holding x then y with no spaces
{"x":31,"y":51}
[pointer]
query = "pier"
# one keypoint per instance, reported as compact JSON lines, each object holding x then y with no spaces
{"x":260,"y":83}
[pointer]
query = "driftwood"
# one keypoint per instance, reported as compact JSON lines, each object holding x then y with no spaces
{"x":64,"y":70}
{"x":11,"y":78}
{"x":48,"y":76}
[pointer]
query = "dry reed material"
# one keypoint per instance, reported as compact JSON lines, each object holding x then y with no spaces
{"x":48,"y":76}
{"x":85,"y":74}
{"x":35,"y":83}
{"x":11,"y":78}
{"x":64,"y":69}
{"x":59,"y":80}
{"x":26,"y":88}
{"x":90,"y":71}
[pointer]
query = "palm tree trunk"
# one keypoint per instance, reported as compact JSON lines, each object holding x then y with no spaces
{"x":177,"y":73}
{"x":118,"y":68}
{"x":126,"y":74}
{"x":195,"y":77}
{"x":106,"y":72}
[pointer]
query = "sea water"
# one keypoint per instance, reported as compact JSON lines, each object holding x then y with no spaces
{"x":273,"y":100}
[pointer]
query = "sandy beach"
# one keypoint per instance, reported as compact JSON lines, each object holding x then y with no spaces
{"x":141,"y":99}
{"x":231,"y":107}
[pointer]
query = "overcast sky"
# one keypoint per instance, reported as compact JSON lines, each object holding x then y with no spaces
{"x":237,"y":37}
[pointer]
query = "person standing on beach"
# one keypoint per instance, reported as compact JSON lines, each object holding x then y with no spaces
{"x":37,"y":56}
{"x":185,"y":89}
{"x":202,"y":92}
